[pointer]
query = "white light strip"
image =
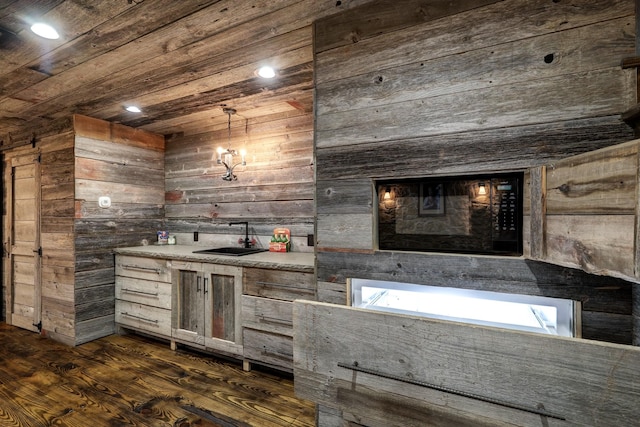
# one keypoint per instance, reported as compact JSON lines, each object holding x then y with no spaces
{"x":513,"y":311}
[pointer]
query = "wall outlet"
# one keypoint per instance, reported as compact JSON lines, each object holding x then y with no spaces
{"x":310,"y":240}
{"x":104,"y":201}
{"x":195,"y":236}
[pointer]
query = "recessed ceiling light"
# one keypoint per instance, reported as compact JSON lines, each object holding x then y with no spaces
{"x":44,"y":30}
{"x":266,"y":72}
{"x":133,"y":109}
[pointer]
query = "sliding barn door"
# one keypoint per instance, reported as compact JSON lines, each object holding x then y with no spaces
{"x":22,"y":242}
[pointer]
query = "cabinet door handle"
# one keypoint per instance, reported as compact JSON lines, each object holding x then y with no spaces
{"x":206,"y":283}
{"x":133,"y":291}
{"x":138,"y":267}
{"x":198,"y":287}
{"x":144,"y":319}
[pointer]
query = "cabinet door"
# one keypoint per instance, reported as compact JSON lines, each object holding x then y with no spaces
{"x":581,"y":212}
{"x":188,"y":321}
{"x":206,"y":306}
{"x":222,"y":287}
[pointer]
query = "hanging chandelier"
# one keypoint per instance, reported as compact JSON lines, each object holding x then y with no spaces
{"x":226,"y":157}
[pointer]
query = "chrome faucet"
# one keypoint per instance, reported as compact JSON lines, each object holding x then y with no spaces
{"x":247,"y":242}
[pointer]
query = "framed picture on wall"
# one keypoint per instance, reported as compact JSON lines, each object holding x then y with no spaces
{"x":431,"y":201}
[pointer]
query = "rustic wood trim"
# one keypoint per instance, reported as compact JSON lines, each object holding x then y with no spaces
{"x":538,"y":211}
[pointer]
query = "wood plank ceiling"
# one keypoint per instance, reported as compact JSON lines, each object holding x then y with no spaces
{"x":179,"y":61}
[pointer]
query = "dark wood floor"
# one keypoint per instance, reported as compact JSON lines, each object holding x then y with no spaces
{"x":135,"y":381}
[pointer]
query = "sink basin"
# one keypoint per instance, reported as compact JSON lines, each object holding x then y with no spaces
{"x":231,"y":250}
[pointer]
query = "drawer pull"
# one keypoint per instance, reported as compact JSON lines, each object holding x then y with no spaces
{"x":282,"y":285}
{"x":144,"y":319}
{"x":133,"y":291}
{"x":140,"y":268}
{"x":267,"y":319}
{"x":541,"y":411}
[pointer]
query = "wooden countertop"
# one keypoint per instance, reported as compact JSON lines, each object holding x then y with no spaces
{"x":295,"y":261}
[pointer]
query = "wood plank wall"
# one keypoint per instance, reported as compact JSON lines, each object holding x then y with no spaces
{"x":433,"y":88}
{"x":126,"y":165}
{"x":81,"y":159}
{"x":274,"y":189}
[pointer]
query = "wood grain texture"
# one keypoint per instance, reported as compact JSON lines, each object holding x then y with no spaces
{"x":546,"y":100}
{"x":601,"y":182}
{"x":491,"y":25}
{"x":423,"y":77}
{"x":274,"y":189}
{"x":509,"y":366}
{"x":599,"y":244}
{"x":382,"y":16}
{"x":538,"y":200}
{"x":135,"y":381}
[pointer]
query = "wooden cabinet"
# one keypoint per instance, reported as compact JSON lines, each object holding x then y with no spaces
{"x":267,"y":318}
{"x":238,"y":311}
{"x":206,"y":306}
{"x":143,"y":295}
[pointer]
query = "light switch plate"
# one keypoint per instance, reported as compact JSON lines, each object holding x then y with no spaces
{"x":104,"y":201}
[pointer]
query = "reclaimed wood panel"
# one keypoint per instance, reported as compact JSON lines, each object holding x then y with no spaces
{"x":354,"y":196}
{"x":345,"y":232}
{"x":543,"y":57}
{"x":278,"y":284}
{"x":601,"y":244}
{"x":520,"y":147}
{"x":600,"y":182}
{"x":227,"y":211}
{"x":118,"y":191}
{"x":118,"y":154}
{"x":491,"y":25}
{"x":266,"y":314}
{"x":224,"y":309}
{"x":548,"y":100}
{"x":268,"y":349}
{"x":537,"y":187}
{"x":538,"y":372}
{"x":382,"y":16}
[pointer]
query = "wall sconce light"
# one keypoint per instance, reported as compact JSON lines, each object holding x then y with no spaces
{"x":387,"y":193}
{"x":229,"y":154}
{"x":482,"y":189}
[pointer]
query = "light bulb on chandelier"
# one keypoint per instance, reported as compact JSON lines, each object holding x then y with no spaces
{"x":225,"y":157}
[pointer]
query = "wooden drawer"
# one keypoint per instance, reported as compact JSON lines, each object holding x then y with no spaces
{"x":268,"y":349}
{"x":268,"y":315}
{"x":157,"y":270}
{"x":436,"y":372}
{"x":144,"y":317}
{"x":156,"y":294}
{"x":279,"y":284}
